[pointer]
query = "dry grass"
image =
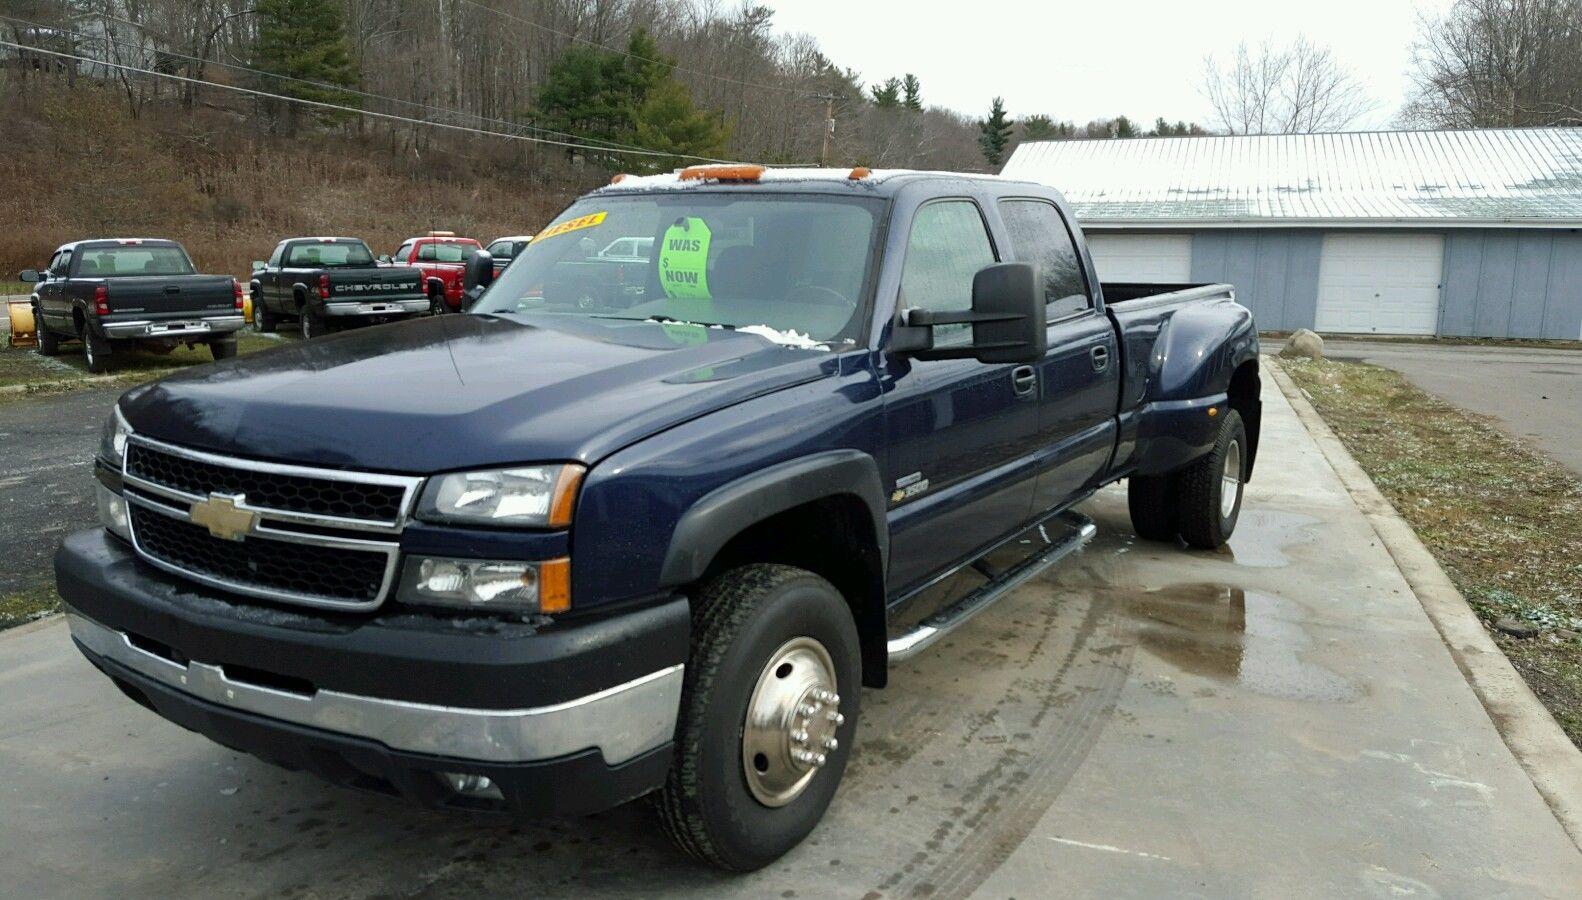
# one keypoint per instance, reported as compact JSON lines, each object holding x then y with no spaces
{"x":69,"y":371}
{"x":28,"y":605}
{"x":1503,"y":519}
{"x":78,"y":165}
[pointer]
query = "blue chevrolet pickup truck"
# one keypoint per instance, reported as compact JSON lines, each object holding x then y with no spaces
{"x":647,"y":529}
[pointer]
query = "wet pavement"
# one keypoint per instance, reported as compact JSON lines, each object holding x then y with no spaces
{"x":1277,"y":719}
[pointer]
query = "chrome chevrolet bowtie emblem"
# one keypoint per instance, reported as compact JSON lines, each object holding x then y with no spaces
{"x":221,"y":516}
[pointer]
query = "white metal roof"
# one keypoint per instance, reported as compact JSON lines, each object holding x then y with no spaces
{"x":1530,"y":177}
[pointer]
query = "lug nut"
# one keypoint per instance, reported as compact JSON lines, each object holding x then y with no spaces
{"x":807,"y":709}
{"x":818,"y":760}
{"x":830,"y":744}
{"x":799,"y":736}
{"x":837,"y":718}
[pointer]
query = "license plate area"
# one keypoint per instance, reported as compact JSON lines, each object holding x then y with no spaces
{"x":177,"y":327}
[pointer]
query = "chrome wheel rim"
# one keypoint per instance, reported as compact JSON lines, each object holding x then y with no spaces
{"x":1230,"y":480}
{"x":791,"y":722}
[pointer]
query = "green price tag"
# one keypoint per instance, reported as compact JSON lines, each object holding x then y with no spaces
{"x":684,"y":261}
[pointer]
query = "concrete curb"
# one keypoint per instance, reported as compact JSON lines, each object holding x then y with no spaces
{"x":1533,"y":736}
{"x":30,"y":627}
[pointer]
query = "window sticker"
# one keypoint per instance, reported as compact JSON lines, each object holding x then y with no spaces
{"x":581,"y":222}
{"x":684,"y":260}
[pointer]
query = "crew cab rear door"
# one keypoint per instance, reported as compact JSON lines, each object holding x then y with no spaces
{"x":1079,"y":375}
{"x":956,"y":428}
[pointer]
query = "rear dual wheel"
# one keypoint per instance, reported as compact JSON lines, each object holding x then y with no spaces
{"x":1199,"y":502}
{"x":768,"y":713}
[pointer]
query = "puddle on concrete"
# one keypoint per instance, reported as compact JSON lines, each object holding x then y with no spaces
{"x":1248,"y":638}
{"x":1263,"y":536}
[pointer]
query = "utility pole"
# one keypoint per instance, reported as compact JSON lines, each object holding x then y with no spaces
{"x":829,"y":127}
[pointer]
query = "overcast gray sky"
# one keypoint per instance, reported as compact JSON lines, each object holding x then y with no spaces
{"x":1087,"y":59}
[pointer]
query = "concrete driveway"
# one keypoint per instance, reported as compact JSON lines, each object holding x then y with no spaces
{"x":1276,"y":720}
{"x":1534,"y":393}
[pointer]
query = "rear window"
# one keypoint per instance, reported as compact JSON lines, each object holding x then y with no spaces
{"x":108,"y":262}
{"x":328,"y":255}
{"x":452,"y":253}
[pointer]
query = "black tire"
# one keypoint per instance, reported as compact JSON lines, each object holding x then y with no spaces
{"x":436,"y":302}
{"x":740,"y":621}
{"x":48,"y":341}
{"x":1151,"y":501}
{"x":264,"y":319}
{"x":1205,"y":517}
{"x":96,"y":351}
{"x":313,"y":323}
{"x":222,"y":349}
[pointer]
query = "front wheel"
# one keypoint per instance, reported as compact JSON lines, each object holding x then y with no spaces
{"x":768,"y":714}
{"x":1209,"y":491}
{"x":264,"y":319}
{"x":48,"y":341}
{"x":222,"y":349}
{"x":436,"y":302}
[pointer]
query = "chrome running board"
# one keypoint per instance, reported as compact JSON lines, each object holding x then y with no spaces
{"x":1081,"y":530}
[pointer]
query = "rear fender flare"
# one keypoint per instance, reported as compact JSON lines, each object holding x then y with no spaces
{"x":727,"y":511}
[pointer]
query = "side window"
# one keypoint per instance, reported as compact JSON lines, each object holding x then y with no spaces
{"x":948,"y":245}
{"x":401,"y":255}
{"x":1039,"y":235}
{"x":274,"y":258}
{"x":501,"y":250}
{"x":60,"y":264}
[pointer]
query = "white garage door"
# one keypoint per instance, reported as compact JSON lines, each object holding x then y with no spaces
{"x":1164,"y":258}
{"x":1380,"y":283}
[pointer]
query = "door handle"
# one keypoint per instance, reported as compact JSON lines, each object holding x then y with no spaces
{"x":172,"y":289}
{"x":1101,"y":358}
{"x":1024,"y":379}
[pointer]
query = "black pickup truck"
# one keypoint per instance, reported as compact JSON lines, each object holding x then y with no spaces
{"x":113,"y":294}
{"x":329,"y":282}
{"x":572,"y":547}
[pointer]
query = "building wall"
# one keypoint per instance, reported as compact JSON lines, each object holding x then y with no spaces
{"x":1512,"y":284}
{"x":1275,"y":271}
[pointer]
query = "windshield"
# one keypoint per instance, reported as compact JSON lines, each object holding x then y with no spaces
{"x":324,"y":254}
{"x":792,"y":263}
{"x":107,"y":262}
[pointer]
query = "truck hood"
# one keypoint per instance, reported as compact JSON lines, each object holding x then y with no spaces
{"x":459,"y":392}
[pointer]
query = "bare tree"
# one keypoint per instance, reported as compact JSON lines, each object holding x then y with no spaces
{"x":1499,"y":63}
{"x":1296,"y":89}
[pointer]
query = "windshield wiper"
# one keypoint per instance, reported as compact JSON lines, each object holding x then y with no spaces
{"x":668,"y":320}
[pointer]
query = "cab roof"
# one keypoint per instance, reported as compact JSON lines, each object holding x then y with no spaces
{"x":111,"y":242}
{"x":854,"y":180}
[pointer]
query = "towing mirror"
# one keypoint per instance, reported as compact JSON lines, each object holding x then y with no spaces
{"x":259,"y":264}
{"x":385,"y":258}
{"x":1007,"y":319}
{"x":477,"y":275}
{"x":30,"y":276}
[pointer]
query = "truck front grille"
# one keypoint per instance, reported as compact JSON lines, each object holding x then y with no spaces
{"x":274,"y":490}
{"x":317,"y":537}
{"x":259,"y":565}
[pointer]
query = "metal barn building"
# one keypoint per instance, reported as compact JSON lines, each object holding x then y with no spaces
{"x":1465,"y":233}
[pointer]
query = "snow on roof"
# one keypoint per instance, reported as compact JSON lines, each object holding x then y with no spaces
{"x":1530,"y":177}
{"x":671,"y":180}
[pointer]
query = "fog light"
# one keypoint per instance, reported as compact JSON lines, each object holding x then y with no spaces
{"x":112,"y":513}
{"x":470,"y":785}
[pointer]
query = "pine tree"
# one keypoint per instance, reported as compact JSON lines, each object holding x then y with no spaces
{"x":995,"y":133}
{"x":1123,"y":127}
{"x":305,"y":39}
{"x":887,"y":95}
{"x":669,"y":122}
{"x":912,"y":93}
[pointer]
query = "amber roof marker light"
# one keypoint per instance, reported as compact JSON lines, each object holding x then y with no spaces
{"x":732,"y":172}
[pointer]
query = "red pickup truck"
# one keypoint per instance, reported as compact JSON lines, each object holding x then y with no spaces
{"x":442,"y":256}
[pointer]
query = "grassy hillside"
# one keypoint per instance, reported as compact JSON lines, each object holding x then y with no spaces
{"x":79,"y":165}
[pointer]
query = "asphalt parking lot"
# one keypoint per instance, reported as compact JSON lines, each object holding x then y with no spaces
{"x":1278,"y":719}
{"x":1535,"y":393}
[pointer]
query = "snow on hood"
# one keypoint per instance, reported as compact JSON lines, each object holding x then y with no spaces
{"x":785,"y":338}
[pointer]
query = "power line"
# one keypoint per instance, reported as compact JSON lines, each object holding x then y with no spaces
{"x":350,"y":109}
{"x":334,"y":87}
{"x":658,"y":62}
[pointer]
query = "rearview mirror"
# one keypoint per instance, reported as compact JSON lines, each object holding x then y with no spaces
{"x":30,"y":276}
{"x":384,"y":258}
{"x":259,"y":264}
{"x":1007,"y":319}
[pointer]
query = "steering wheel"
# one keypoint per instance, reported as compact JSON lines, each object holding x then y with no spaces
{"x":818,"y":295}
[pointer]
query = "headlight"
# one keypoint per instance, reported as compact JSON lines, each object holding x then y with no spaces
{"x":487,"y":584}
{"x":112,"y":512}
{"x":112,"y":439}
{"x":534,"y":496}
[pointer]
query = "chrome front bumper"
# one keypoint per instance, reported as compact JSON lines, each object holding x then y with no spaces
{"x":376,"y":307}
{"x":173,"y":328}
{"x":623,"y":721}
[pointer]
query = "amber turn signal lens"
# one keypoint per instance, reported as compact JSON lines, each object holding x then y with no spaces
{"x":554,"y":586}
{"x":564,"y":499}
{"x":743,"y":172}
